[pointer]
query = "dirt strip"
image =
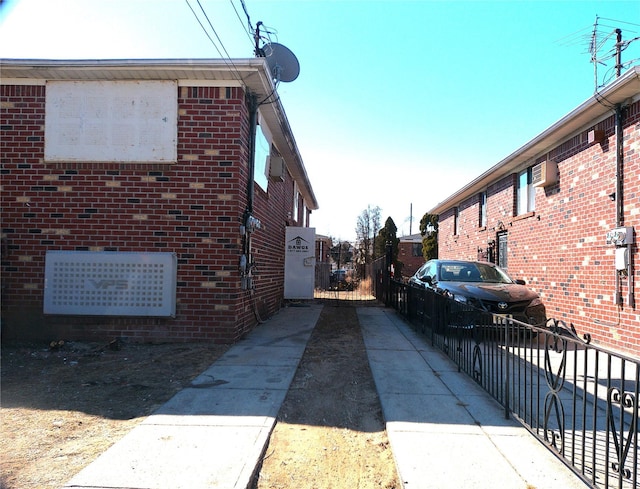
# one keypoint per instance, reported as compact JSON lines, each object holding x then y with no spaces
{"x":330,"y":431}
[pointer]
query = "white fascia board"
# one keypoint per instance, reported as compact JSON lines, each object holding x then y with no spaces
{"x":623,"y":90}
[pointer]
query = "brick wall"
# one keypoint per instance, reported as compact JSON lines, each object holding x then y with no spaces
{"x":410,"y":263}
{"x":560,"y":248}
{"x":193,"y":208}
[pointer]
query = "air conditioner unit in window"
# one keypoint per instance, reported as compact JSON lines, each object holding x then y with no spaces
{"x":544,"y":174}
{"x":277,"y":169}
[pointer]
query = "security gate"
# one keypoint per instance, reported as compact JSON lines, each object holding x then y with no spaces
{"x":353,"y":284}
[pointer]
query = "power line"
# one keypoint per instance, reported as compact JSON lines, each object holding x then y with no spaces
{"x":246,"y":13}
{"x":249,"y":31}
{"x":227,"y":59}
{"x":256,"y":36}
{"x":214,"y":31}
{"x":273,"y":96}
{"x":620,"y":21}
{"x":203,"y":28}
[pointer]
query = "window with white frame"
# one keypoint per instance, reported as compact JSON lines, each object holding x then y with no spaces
{"x":305,"y":222}
{"x":261,"y":156}
{"x":482,"y":198}
{"x":296,"y":197}
{"x":525,"y":193}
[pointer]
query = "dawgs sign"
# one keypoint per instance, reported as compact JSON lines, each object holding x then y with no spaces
{"x":299,"y":263}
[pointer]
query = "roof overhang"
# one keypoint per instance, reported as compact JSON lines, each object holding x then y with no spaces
{"x":252,"y":74}
{"x":623,"y":90}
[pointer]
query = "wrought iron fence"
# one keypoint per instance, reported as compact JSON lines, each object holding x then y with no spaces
{"x":579,"y":399}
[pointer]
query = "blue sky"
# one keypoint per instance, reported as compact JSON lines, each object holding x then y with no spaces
{"x":398,"y":103}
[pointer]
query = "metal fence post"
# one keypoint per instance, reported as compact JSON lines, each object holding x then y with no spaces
{"x":387,"y":273}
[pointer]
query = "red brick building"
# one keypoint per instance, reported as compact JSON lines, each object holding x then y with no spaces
{"x":150,"y":166}
{"x":410,"y":254}
{"x":561,"y":213}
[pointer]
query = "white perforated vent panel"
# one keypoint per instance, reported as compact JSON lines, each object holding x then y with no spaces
{"x":110,"y":283}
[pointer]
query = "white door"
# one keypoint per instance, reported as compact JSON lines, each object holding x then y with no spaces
{"x":299,"y":263}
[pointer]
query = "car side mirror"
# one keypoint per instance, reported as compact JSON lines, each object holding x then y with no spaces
{"x":428,"y":279}
{"x":519,"y":281}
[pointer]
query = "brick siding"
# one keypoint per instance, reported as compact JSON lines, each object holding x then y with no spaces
{"x":410,"y":263}
{"x":560,"y":249}
{"x":193,"y":208}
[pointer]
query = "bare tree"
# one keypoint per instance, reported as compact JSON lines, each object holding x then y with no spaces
{"x":366,"y":228}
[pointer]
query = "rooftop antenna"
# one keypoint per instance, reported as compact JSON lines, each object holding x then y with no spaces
{"x":282,"y":63}
{"x":595,"y":45}
{"x":593,"y":49}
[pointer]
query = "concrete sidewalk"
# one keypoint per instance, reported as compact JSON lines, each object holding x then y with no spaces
{"x":445,"y":430}
{"x":213,"y":433}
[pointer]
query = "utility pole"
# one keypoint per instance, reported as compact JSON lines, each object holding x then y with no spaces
{"x":410,"y":217}
{"x":256,"y":38}
{"x":618,"y":53}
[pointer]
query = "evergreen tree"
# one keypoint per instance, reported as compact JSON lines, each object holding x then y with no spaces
{"x":429,"y":232}
{"x":388,"y":234}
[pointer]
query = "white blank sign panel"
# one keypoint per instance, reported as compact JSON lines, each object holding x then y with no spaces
{"x":111,"y":121}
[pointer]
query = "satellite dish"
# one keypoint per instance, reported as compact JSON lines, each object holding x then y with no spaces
{"x":282,"y":63}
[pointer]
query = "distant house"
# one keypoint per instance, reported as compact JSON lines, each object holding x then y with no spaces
{"x":563,"y":213}
{"x":323,"y":261}
{"x":323,"y":248}
{"x":410,"y":253}
{"x":145,"y":199}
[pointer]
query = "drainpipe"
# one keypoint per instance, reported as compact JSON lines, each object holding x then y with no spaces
{"x":246,"y":264}
{"x":253,"y":123}
{"x":619,"y":188}
{"x":619,"y":134}
{"x":619,"y":166}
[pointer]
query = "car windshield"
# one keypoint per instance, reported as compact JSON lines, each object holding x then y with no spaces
{"x":472,"y":272}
